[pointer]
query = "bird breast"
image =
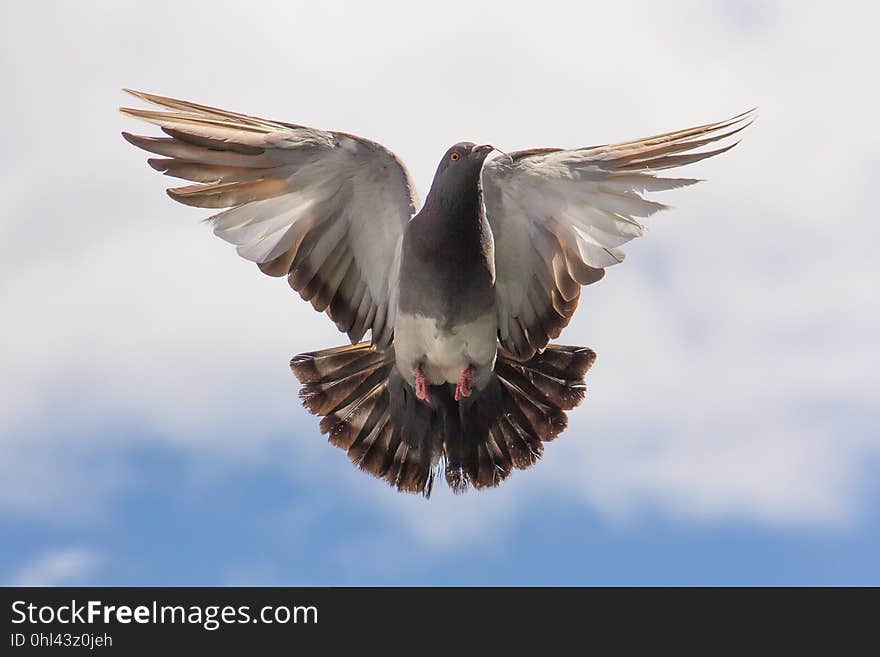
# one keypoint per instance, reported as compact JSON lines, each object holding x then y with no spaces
{"x":444,"y":352}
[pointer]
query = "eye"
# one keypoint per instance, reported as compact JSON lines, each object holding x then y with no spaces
{"x":454,"y":157}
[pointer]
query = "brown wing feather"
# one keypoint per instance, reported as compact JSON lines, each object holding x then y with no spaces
{"x":346,"y":200}
{"x":586,"y":201}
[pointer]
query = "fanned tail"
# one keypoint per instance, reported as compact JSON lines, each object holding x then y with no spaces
{"x":353,"y":388}
{"x":506,"y":424}
{"x":372,"y":413}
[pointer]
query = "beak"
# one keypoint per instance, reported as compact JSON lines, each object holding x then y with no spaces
{"x":485,"y":149}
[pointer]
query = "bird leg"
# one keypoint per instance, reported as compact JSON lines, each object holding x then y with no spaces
{"x":463,"y":389}
{"x":423,"y":388}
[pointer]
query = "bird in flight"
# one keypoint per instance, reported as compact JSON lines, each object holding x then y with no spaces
{"x":461,"y":295}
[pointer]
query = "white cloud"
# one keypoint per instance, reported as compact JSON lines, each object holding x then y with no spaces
{"x":61,"y":567}
{"x":736,"y":344}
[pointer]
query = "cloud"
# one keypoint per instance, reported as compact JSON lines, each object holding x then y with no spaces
{"x":735,"y":377}
{"x":60,"y":567}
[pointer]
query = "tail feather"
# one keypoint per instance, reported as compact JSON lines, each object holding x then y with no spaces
{"x":333,"y":364}
{"x":351,"y":387}
{"x":373,"y":414}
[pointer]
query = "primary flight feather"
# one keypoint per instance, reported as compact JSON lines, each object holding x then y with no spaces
{"x":461,"y":297}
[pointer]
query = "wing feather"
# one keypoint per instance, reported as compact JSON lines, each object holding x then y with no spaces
{"x":587,"y":200}
{"x":325,"y":209}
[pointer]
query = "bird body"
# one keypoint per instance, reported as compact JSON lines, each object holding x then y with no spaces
{"x":445,"y":316}
{"x":461,"y":299}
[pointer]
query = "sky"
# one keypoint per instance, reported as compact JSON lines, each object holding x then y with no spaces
{"x":150,"y":431}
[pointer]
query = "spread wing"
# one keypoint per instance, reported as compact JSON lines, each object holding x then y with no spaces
{"x":559,"y":216}
{"x":325,"y":209}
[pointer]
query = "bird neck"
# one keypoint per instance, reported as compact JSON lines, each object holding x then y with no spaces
{"x":460,"y":209}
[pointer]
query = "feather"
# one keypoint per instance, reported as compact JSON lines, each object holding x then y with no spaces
{"x":223,"y":195}
{"x":588,"y":199}
{"x":188,"y":152}
{"x":207,"y":173}
{"x":295,"y":194}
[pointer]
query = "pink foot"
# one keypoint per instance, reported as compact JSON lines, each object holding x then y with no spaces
{"x":423,"y":388}
{"x":463,"y":389}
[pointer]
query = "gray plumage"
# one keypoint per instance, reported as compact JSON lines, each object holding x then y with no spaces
{"x":460,"y":299}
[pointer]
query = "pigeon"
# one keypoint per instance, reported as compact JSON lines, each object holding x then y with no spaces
{"x":461,"y":296}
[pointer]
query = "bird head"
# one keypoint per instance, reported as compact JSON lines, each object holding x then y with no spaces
{"x":460,"y":167}
{"x":465,"y":156}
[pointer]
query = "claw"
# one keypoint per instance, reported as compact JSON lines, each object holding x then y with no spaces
{"x":463,"y":389}
{"x":423,"y":388}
